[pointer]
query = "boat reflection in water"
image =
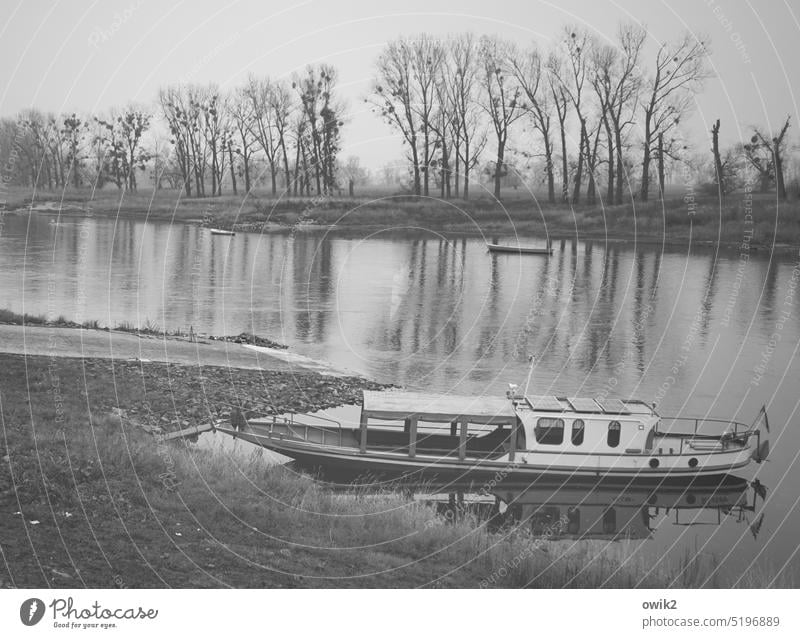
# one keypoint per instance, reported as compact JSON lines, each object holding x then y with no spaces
{"x":605,"y":511}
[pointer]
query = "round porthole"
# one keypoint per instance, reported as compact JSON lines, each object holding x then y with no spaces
{"x":654,"y":463}
{"x":691,"y":499}
{"x":692,"y":462}
{"x":652,"y":500}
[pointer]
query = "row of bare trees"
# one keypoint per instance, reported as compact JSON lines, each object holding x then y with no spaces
{"x":53,"y":152}
{"x":289,"y":129}
{"x":588,"y":103}
{"x":294,"y":128}
{"x":588,"y":114}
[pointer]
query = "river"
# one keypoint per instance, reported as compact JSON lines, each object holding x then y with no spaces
{"x":699,"y":331}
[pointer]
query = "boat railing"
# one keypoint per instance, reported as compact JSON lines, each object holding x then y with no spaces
{"x":294,"y":424}
{"x":735,"y":429}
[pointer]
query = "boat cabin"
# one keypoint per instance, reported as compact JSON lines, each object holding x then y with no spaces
{"x":493,"y":427}
{"x":597,"y":426}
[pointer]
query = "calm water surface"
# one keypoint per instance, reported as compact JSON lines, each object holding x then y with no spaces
{"x":701,"y":332}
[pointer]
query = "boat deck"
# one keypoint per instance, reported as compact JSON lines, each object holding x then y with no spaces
{"x":438,"y":408}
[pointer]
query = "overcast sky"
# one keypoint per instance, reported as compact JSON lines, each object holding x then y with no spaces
{"x":90,"y":56}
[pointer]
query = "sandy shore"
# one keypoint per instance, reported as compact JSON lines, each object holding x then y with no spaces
{"x":52,"y":341}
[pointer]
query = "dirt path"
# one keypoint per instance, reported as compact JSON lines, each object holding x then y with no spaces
{"x":74,"y":342}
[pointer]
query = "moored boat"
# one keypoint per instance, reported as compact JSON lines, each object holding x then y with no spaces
{"x":221,"y":231}
{"x":419,"y":436}
{"x":520,"y":250}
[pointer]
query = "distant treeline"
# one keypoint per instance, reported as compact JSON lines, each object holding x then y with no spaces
{"x":582,"y":116}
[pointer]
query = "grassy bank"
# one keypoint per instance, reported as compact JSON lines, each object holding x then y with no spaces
{"x":88,"y":498}
{"x":675,"y":220}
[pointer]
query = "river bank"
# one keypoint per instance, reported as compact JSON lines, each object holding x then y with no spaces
{"x":758,"y":219}
{"x":90,"y":499}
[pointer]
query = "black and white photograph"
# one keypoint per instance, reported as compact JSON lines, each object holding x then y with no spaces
{"x":357,"y":295}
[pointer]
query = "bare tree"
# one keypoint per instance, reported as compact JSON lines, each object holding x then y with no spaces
{"x":577,"y":44}
{"x":680,"y":70}
{"x":122,"y":139}
{"x":405,"y":93}
{"x":262,"y":124}
{"x":176,"y":113}
{"x":215,"y":128}
{"x":73,"y":132}
{"x":502,"y":99}
{"x":323,"y":113}
{"x":555,"y":71}
{"x":240,"y":107}
{"x":617,"y":81}
{"x":770,"y":166}
{"x":531,"y":77}
{"x":392,"y":97}
{"x":32,"y":144}
{"x":282,"y":108}
{"x":461,"y":74}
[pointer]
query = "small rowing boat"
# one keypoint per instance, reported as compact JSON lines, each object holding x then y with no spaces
{"x":419,"y":436}
{"x":520,"y":250}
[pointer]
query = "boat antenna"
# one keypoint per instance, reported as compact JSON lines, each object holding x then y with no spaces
{"x":532,"y":360}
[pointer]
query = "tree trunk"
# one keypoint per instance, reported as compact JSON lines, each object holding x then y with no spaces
{"x":286,"y":172}
{"x":576,"y":191}
{"x":445,"y":169}
{"x":620,"y":172}
{"x":297,"y":166}
{"x":717,"y":159}
{"x":661,"y":165}
{"x":187,"y":175}
{"x":466,"y":170}
{"x":548,"y":168}
{"x":645,"y":186}
{"x":591,"y":195}
{"x":779,"y":173}
{"x":426,"y":179}
{"x":233,"y":167}
{"x":610,"y":185}
{"x":501,"y":147}
{"x":214,"y":168}
{"x":457,"y":171}
{"x":415,"y":162}
{"x":564,"y":168}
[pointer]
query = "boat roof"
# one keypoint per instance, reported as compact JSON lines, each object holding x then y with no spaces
{"x":438,"y":407}
{"x":588,"y":405}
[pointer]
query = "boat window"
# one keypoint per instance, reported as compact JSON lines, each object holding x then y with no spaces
{"x":573,"y":520}
{"x":577,"y":431}
{"x":549,"y":431}
{"x":610,"y":521}
{"x":613,"y":434}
